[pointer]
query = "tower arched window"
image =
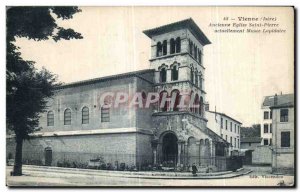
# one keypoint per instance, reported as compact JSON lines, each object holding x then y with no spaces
{"x":192,"y":75}
{"x":85,"y":115}
{"x":174,"y":74}
{"x":175,"y":99}
{"x":67,"y":117}
{"x":200,"y":57}
{"x":195,"y":52}
{"x":164,"y":47}
{"x":50,"y":118}
{"x":163,"y":101}
{"x":201,"y":111}
{"x":196,"y":104}
{"x":163,"y":75}
{"x":172,"y":46}
{"x":200,"y":82}
{"x":191,"y":47}
{"x":178,"y":45}
{"x":158,"y":49}
{"x":196,"y":78}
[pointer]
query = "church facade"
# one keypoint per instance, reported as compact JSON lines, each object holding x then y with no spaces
{"x":112,"y":118}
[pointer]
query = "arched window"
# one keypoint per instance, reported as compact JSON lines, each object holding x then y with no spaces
{"x":206,"y":142}
{"x":190,"y":47}
{"x":158,"y":49}
{"x":195,"y":52}
{"x":67,"y":117}
{"x":201,"y":106}
{"x":105,"y":113}
{"x":163,"y":103}
{"x":174,"y":75}
{"x":164,"y":47}
{"x":192,"y":98}
{"x":163,"y":75}
{"x":200,"y":82}
{"x":196,"y":104}
{"x":172,"y":46}
{"x":192,"y":74}
{"x":178,"y":45}
{"x":175,"y":99}
{"x":196,"y":78}
{"x":201,"y":142}
{"x":200,"y":57}
{"x":50,"y":118}
{"x":85,"y":115}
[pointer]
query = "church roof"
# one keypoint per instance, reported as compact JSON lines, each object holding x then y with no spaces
{"x":187,"y":23}
{"x":107,"y":78}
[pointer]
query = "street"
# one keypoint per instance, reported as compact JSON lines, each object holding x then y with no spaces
{"x":259,"y":177}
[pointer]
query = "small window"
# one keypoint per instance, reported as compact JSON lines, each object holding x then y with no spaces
{"x":249,"y":144}
{"x":226,"y":124}
{"x":191,"y":47}
{"x":178,"y":45}
{"x":231,"y":126}
{"x":266,"y":128}
{"x":172,"y":46}
{"x":221,"y":122}
{"x":266,"y":115}
{"x":231,"y":141}
{"x":235,"y":128}
{"x":284,"y":115}
{"x":266,"y":142}
{"x":271,"y":128}
{"x":158,"y":49}
{"x":285,"y":139}
{"x":50,"y":118}
{"x":226,"y":137}
{"x":85,"y":115}
{"x":67,"y":117}
{"x":270,"y":114}
{"x":238,"y":143}
{"x":234,"y":142}
{"x":164,"y":47}
{"x":105,"y":117}
{"x":163,"y":75}
{"x":174,"y":76}
{"x":222,"y":135}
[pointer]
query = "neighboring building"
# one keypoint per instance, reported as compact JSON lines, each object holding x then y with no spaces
{"x":226,"y":127}
{"x":77,"y":127}
{"x":283,"y":134}
{"x":266,"y":117}
{"x":250,"y":143}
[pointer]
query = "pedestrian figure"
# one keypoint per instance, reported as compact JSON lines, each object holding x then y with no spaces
{"x":194,"y":170}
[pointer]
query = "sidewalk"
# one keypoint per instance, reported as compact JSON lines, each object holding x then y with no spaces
{"x":145,"y":175}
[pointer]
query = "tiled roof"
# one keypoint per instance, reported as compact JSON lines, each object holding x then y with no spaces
{"x":281,"y":100}
{"x":251,"y":140}
{"x":106,"y":78}
{"x":187,"y":23}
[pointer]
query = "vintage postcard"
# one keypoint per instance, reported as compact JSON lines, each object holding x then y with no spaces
{"x":150,"y":96}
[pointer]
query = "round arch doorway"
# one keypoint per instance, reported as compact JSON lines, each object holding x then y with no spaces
{"x":169,"y":148}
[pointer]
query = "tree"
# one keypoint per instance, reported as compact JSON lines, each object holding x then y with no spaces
{"x":28,"y":88}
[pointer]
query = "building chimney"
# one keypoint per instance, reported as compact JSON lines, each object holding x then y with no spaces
{"x":275,"y":100}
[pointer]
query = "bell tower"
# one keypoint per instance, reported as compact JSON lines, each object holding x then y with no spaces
{"x":177,"y":58}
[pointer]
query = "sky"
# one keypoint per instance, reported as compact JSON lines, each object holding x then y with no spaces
{"x":240,"y":68}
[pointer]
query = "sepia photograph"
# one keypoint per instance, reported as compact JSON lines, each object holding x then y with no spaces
{"x":150,"y":96}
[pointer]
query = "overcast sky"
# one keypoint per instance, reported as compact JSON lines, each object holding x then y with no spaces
{"x":240,"y":68}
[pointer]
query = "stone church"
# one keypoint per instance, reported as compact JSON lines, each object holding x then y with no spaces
{"x":77,"y":128}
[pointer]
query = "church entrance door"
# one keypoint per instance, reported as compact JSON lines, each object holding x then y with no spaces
{"x":170,"y":149}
